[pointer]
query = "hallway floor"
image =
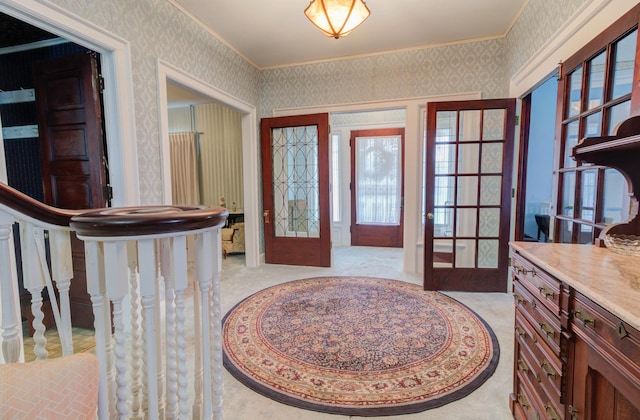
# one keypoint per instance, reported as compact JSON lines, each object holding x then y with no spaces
{"x":490,"y":401}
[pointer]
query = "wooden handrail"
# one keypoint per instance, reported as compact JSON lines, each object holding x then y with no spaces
{"x":34,"y":209}
{"x":110,"y":222}
{"x":147,"y":220}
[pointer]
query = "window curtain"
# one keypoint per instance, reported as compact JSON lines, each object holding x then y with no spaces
{"x":378,"y":178}
{"x":184,"y":168}
{"x":221,"y":154}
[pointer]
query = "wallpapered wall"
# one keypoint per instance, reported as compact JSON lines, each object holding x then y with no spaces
{"x":474,"y":66}
{"x":156,"y":29}
{"x":537,"y":23}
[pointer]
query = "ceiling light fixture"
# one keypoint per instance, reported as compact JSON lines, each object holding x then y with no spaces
{"x":336,"y":18}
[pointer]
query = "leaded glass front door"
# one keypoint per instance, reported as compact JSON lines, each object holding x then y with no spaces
{"x":468,"y":183}
{"x":295,"y":180}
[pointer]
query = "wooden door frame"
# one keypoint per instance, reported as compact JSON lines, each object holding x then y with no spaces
{"x":523,"y":148}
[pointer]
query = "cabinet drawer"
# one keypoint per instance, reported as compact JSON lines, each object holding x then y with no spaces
{"x":620,"y":341}
{"x":551,"y":368}
{"x":545,"y":324}
{"x":530,"y":366}
{"x":526,"y":404}
{"x":538,"y":282}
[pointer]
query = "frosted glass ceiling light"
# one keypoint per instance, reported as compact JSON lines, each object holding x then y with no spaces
{"x":337,"y":18}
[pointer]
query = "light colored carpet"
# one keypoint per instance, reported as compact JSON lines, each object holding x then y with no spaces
{"x":490,"y":401}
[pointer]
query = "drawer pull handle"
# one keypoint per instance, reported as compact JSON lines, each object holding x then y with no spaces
{"x":523,"y":401}
{"x":547,"y":369}
{"x":518,"y":298}
{"x":546,"y":292}
{"x":622,"y":332}
{"x":521,"y":270}
{"x":584,"y":317}
{"x":551,"y":412}
{"x":519,"y":331}
{"x":547,"y":329}
{"x":573,"y":412}
{"x":523,"y":366}
{"x":533,"y":303}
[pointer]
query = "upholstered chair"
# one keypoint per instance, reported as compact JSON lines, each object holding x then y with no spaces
{"x":233,"y":239}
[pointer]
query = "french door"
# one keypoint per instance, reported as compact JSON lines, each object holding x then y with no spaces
{"x":377,"y":187}
{"x":295,"y":185}
{"x":469,"y":153}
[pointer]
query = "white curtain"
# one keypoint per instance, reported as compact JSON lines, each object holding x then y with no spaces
{"x":378,"y":180}
{"x":221,"y":154}
{"x":184,"y":169}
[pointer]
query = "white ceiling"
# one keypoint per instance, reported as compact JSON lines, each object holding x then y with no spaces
{"x":272,"y":33}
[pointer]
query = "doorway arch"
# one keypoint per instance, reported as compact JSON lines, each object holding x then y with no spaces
{"x":170,"y":73}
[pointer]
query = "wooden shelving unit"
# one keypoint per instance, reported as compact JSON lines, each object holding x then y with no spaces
{"x":621,"y":152}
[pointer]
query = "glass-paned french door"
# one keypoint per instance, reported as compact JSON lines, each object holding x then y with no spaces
{"x":468,"y":182}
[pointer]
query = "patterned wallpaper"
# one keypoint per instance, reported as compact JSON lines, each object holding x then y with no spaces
{"x":369,"y":117}
{"x":474,"y":66}
{"x":157,"y":29}
{"x":538,"y":22}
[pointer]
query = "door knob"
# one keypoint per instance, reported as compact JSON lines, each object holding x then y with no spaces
{"x":266,"y":216}
{"x":430,"y":216}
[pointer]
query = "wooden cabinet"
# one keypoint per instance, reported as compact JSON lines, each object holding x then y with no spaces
{"x":541,"y":343}
{"x":621,"y":152}
{"x":606,"y":371}
{"x":576,"y":356}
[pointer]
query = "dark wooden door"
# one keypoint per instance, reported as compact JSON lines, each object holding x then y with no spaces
{"x":377,"y":187}
{"x":469,"y":156}
{"x":295,"y":185}
{"x":72,"y":152}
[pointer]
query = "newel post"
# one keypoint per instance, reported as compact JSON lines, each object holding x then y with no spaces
{"x":9,"y":299}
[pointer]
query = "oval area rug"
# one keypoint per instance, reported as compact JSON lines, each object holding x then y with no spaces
{"x":358,"y":346}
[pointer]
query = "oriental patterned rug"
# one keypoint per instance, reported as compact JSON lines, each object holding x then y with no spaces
{"x":358,"y":346}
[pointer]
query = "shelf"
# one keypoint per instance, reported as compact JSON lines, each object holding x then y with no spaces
{"x":622,"y":152}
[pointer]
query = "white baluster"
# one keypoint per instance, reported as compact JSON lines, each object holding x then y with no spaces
{"x":115,"y":256}
{"x":217,"y":325}
{"x":171,"y":354}
{"x":11,"y":331}
{"x":147,"y":267}
{"x":204,"y":278}
{"x":136,"y":339}
{"x":163,"y":253}
{"x":62,"y":273}
{"x":180,"y":283}
{"x":33,"y":280}
{"x":197,"y":340}
{"x":102,"y":325}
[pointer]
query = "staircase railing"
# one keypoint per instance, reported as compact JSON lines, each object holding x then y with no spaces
{"x":157,"y":323}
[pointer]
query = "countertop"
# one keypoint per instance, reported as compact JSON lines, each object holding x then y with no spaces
{"x":610,"y":280}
